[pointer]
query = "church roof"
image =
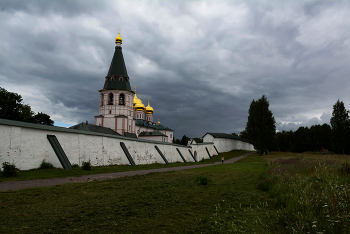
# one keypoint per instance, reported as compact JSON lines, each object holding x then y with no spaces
{"x":116,"y":70}
{"x":94,"y":128}
{"x":148,"y":124}
{"x":228,"y":136}
{"x":155,"y":133}
{"x":130,"y":135}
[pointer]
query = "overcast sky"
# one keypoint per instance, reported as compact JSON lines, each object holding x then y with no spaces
{"x":200,"y":62}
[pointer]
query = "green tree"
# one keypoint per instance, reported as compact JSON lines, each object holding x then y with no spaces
{"x":198,"y":140}
{"x":184,"y":140}
{"x":42,"y":118}
{"x":261,"y":125}
{"x":27,"y":113}
{"x":340,"y":126}
{"x":10,"y":105}
{"x":243,"y":134}
{"x":234,"y":134}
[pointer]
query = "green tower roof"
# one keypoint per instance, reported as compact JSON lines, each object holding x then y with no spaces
{"x":117,"y":77}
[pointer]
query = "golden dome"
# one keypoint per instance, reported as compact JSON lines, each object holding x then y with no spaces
{"x":139,"y":105}
{"x":118,"y":39}
{"x":148,"y":109}
{"x":136,"y":100}
{"x":158,"y":122}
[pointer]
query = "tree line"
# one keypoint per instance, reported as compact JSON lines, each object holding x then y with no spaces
{"x":261,"y":131}
{"x":13,"y":108}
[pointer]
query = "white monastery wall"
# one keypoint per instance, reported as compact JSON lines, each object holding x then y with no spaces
{"x":27,"y":147}
{"x":226,"y":144}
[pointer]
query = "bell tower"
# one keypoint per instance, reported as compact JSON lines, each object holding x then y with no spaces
{"x":116,"y":98}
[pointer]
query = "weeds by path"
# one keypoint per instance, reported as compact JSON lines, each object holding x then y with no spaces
{"x":312,"y":193}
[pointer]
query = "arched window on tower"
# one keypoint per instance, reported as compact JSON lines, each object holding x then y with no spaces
{"x":102,"y":97}
{"x":110,"y":99}
{"x":121,"y":78}
{"x":122,"y":99}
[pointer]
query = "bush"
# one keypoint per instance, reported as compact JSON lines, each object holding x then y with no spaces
{"x":45,"y":165}
{"x":345,"y":169}
{"x":9,"y":170}
{"x":202,"y":160}
{"x":86,"y":166}
{"x":75,"y":165}
{"x":202,"y":180}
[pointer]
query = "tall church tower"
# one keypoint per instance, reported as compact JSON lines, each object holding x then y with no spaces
{"x":116,"y":98}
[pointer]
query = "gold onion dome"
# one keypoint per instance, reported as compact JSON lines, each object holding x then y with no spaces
{"x":136,"y":100}
{"x":149,"y":109}
{"x":118,"y":39}
{"x":139,"y":105}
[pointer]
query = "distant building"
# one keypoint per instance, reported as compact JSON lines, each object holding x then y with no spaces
{"x":120,"y":108}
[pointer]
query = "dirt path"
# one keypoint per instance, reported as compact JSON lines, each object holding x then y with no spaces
{"x":17,"y":185}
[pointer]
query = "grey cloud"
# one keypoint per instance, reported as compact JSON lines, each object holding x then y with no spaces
{"x":201,"y":69}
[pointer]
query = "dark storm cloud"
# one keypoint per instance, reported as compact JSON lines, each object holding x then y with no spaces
{"x":200,"y":62}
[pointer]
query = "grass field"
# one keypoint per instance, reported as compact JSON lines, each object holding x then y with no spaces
{"x":77,"y":171}
{"x":253,"y":195}
{"x":167,"y":202}
{"x":311,"y":191}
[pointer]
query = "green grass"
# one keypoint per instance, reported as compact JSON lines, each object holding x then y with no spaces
{"x":311,"y":193}
{"x":77,"y":171}
{"x":168,"y":202}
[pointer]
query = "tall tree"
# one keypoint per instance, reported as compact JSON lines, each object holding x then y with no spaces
{"x":184,"y":140}
{"x":261,"y":125}
{"x":42,"y":118}
{"x":10,"y":105}
{"x":340,"y":126}
{"x":243,"y":134}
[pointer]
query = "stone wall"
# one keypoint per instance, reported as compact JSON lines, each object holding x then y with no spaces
{"x":26,"y":145}
{"x":226,"y":145}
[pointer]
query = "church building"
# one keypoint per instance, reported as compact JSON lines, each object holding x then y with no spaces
{"x":120,"y":108}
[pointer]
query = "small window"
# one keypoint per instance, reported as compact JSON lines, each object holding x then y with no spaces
{"x":171,"y":135}
{"x":121,"y":99}
{"x":110,"y":99}
{"x":112,"y":78}
{"x":121,"y":78}
{"x":110,"y":112}
{"x":102,"y":97}
{"x":127,"y":79}
{"x":129,"y":127}
{"x":106,"y":78}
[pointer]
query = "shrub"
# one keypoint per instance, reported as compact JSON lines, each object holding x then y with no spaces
{"x":9,"y":170}
{"x":202,"y":180}
{"x":75,"y":165}
{"x":86,"y":166}
{"x":345,"y":169}
{"x":45,"y":165}
{"x":202,"y":160}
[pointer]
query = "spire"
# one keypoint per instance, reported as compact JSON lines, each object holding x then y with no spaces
{"x":117,"y":77}
{"x":118,"y":39}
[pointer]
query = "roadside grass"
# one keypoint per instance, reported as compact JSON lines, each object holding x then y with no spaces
{"x":77,"y":171}
{"x":168,"y":202}
{"x":311,"y":191}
